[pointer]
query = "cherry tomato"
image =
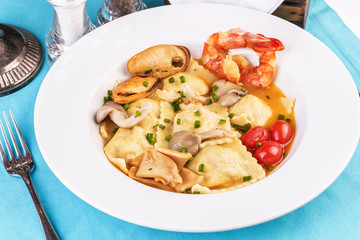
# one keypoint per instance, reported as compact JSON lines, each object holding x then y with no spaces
{"x":269,"y":153}
{"x":281,"y":132}
{"x":255,"y":135}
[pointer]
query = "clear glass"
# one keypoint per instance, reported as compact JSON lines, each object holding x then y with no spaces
{"x":71,"y":22}
{"x":112,"y":9}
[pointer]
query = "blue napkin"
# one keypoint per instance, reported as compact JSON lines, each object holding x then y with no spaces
{"x":334,"y":214}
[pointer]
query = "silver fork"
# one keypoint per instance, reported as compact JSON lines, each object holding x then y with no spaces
{"x":20,"y":165}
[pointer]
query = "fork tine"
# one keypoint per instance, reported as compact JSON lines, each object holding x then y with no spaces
{"x":16,"y":146}
{"x":21,"y":138}
{"x":2,"y":152}
{"x":12,"y":157}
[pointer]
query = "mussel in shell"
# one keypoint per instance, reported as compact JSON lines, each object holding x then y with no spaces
{"x":135,"y":88}
{"x":160,"y":61}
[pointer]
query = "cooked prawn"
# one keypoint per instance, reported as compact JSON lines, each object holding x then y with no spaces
{"x":216,"y":59}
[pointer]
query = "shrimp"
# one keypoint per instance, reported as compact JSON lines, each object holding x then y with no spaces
{"x":216,"y":58}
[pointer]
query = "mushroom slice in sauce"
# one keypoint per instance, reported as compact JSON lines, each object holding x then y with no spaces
{"x":135,"y":88}
{"x":179,"y":158}
{"x":229,"y":93}
{"x":158,"y":166}
{"x":189,"y":180}
{"x":119,"y":116}
{"x":192,"y":141}
{"x":160,"y":61}
{"x":188,"y":140}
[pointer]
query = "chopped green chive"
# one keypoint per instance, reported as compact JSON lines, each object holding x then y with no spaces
{"x":197,"y":124}
{"x":126,"y":107}
{"x":288,"y":120}
{"x":208,"y":101}
{"x":284,"y":154}
{"x":109,"y":96}
{"x":270,"y":168}
{"x":197,"y":113}
{"x":146,"y":83}
{"x":243,"y":89}
{"x":115,"y":130}
{"x":182,"y":79}
{"x":231,"y":115}
{"x":222,"y":121}
{"x":166,"y":120}
{"x":149,"y":136}
{"x":178,"y":121}
{"x":162,"y":126}
{"x":187,"y":191}
{"x":214,"y":96}
{"x":181,"y":94}
{"x":110,"y":92}
{"x":171,"y":80}
{"x":175,"y":106}
{"x":138,"y":113}
{"x":182,"y":149}
{"x":258,"y":144}
{"x":106,"y":99}
{"x":215,"y":87}
{"x":155,"y":125}
{"x":168,"y":138}
{"x":196,"y":192}
{"x":267,"y":96}
{"x":281,"y":117}
{"x":242,"y":128}
{"x":153,"y":140}
{"x":190,"y":159}
{"x":180,"y":100}
{"x":246,"y":178}
{"x":202,"y":168}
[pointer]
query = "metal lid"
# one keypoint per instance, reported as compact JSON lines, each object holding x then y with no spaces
{"x":20,"y":58}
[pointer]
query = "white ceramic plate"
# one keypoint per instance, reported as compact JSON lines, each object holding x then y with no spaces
{"x":327,"y":114}
{"x":268,"y":6}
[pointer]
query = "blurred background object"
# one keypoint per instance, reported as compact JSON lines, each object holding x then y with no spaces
{"x":20,"y":58}
{"x":71,"y":22}
{"x":112,"y":9}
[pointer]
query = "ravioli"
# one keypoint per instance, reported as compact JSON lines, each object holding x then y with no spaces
{"x":250,"y":109}
{"x":151,"y":119}
{"x":199,"y":71}
{"x":166,"y":114}
{"x":226,"y":164}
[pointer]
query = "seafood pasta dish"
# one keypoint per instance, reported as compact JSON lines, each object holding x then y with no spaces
{"x":199,"y":126}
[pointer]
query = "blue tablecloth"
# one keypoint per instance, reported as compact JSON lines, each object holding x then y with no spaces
{"x":335,"y":214}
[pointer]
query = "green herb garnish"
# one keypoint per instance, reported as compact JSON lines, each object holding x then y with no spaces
{"x":215,"y":87}
{"x":222,"y":121}
{"x":182,"y":149}
{"x":281,"y":117}
{"x":242,"y":128}
{"x":202,"y":168}
{"x":166,"y":120}
{"x":171,"y":80}
{"x":208,"y":101}
{"x":197,"y":113}
{"x":182,"y":79}
{"x":162,"y":126}
{"x":126,"y":107}
{"x":153,"y":140}
{"x":138,"y":113}
{"x":178,"y":121}
{"x":146,"y":83}
{"x":258,"y":144}
{"x":175,"y":106}
{"x":168,"y":138}
{"x":197,"y":124}
{"x":115,"y":130}
{"x":214,"y":97}
{"x":246,"y":178}
{"x":231,"y":115}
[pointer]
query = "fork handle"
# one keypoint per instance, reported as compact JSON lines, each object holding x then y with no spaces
{"x":49,"y":231}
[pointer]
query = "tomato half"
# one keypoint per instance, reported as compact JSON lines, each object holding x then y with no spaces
{"x":281,"y":132}
{"x":255,"y":135}
{"x":269,"y":153}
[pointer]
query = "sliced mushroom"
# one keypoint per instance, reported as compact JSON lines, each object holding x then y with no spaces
{"x":160,"y":61}
{"x":229,"y":93}
{"x":178,"y":157}
{"x":158,"y":166}
{"x":185,"y":139}
{"x":119,"y":116}
{"x":135,"y":88}
{"x":192,"y":141}
{"x":189,"y":180}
